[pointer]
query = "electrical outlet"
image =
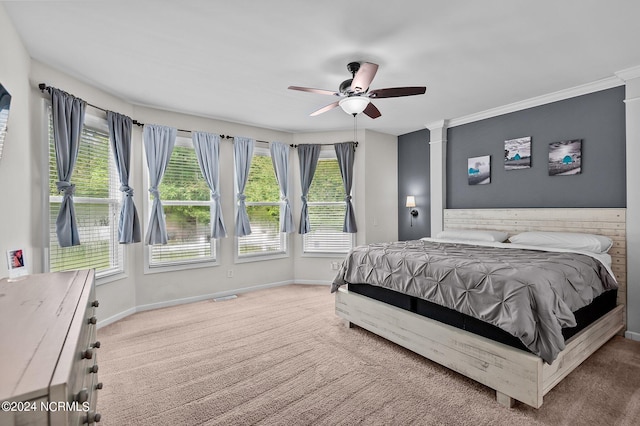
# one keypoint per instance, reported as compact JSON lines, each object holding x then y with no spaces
{"x":335,"y":266}
{"x":229,"y":273}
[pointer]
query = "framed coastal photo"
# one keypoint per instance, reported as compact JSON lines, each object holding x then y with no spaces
{"x":517,"y":153}
{"x":16,"y":264}
{"x":565,"y":158}
{"x":479,"y":170}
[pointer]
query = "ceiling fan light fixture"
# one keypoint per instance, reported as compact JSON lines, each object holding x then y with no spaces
{"x":354,"y":105}
{"x":355,"y":94}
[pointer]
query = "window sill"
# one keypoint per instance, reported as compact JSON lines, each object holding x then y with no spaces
{"x":108,"y":278}
{"x":261,"y":257}
{"x":196,"y":264}
{"x":324,"y":254}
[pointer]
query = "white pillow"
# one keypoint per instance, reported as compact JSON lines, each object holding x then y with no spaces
{"x":565,"y":240}
{"x":472,"y":235}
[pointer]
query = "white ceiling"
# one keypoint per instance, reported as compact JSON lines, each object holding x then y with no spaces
{"x":233,"y":60}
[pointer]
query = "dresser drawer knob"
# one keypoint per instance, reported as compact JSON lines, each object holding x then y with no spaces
{"x":95,"y":304}
{"x":99,"y":386}
{"x":96,"y":344}
{"x":88,"y":354}
{"x":93,"y":418}
{"x":93,"y":369}
{"x":93,"y":320}
{"x":83,"y":396}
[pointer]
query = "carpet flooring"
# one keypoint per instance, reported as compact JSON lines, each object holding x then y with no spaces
{"x":281,"y":357}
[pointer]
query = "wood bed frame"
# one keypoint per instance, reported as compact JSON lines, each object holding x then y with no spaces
{"x":513,"y":373}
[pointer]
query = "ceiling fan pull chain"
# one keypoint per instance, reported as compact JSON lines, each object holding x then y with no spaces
{"x":355,"y":127}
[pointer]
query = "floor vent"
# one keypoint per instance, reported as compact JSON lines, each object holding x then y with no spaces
{"x":223,"y":298}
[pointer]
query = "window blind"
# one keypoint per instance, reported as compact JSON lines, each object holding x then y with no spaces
{"x":97,"y":205}
{"x":187,"y":207}
{"x":327,"y":209}
{"x":4,"y":117}
{"x":263,"y":207}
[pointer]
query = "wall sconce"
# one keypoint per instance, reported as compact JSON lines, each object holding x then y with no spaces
{"x":411,"y":203}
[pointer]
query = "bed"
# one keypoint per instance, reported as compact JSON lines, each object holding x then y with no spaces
{"x":479,"y":349}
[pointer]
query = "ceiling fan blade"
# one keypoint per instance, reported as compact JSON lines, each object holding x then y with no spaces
{"x":372,"y":111}
{"x":318,"y":91}
{"x":363,"y":77}
{"x":396,"y":92}
{"x":325,"y":109}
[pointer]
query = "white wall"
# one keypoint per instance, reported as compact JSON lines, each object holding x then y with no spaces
{"x":375,"y":191}
{"x":138,"y":289}
{"x":160,"y":287}
{"x":17,"y":169}
{"x":116,"y":296}
{"x":25,"y":159}
{"x":381,"y":189}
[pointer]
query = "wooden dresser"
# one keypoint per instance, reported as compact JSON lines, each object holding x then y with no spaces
{"x":48,"y":350}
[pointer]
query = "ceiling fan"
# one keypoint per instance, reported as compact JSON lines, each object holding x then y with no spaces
{"x":355,"y":94}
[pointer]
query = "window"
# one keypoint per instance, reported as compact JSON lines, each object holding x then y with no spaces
{"x":5,"y":104}
{"x":327,"y":209}
{"x":186,"y":200}
{"x":97,"y":204}
{"x":264,"y":209}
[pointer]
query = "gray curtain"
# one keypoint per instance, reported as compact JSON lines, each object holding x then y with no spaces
{"x":345,"y":152}
{"x":5,"y":98}
{"x":242,"y":155}
{"x":120,"y":137}
{"x":158,"y":145}
{"x":308,"y":156}
{"x":207,"y":147}
{"x":280,"y":159}
{"x":68,"y":119}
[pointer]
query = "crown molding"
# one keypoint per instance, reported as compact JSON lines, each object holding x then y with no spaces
{"x":596,"y":86}
{"x":438,"y":131}
{"x":437,"y":124}
{"x":629,"y":73}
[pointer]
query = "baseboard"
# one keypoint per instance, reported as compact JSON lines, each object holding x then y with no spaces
{"x":313,"y":282}
{"x":185,"y":300}
{"x":632,"y":335}
{"x":202,"y":297}
{"x":115,"y":318}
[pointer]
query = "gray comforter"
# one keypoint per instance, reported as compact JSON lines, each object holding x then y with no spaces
{"x":528,"y":293}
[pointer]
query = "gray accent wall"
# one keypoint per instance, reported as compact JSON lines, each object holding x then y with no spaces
{"x":596,"y":118}
{"x":413,"y":179}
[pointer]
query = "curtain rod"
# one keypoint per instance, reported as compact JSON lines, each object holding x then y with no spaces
{"x":322,"y":144}
{"x":43,"y":87}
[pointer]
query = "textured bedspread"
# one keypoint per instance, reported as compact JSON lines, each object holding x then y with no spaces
{"x":530,"y":294}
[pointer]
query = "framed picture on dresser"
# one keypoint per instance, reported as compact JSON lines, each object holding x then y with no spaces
{"x":16,"y":264}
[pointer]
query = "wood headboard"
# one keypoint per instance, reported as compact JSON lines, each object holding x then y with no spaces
{"x":601,"y":221}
